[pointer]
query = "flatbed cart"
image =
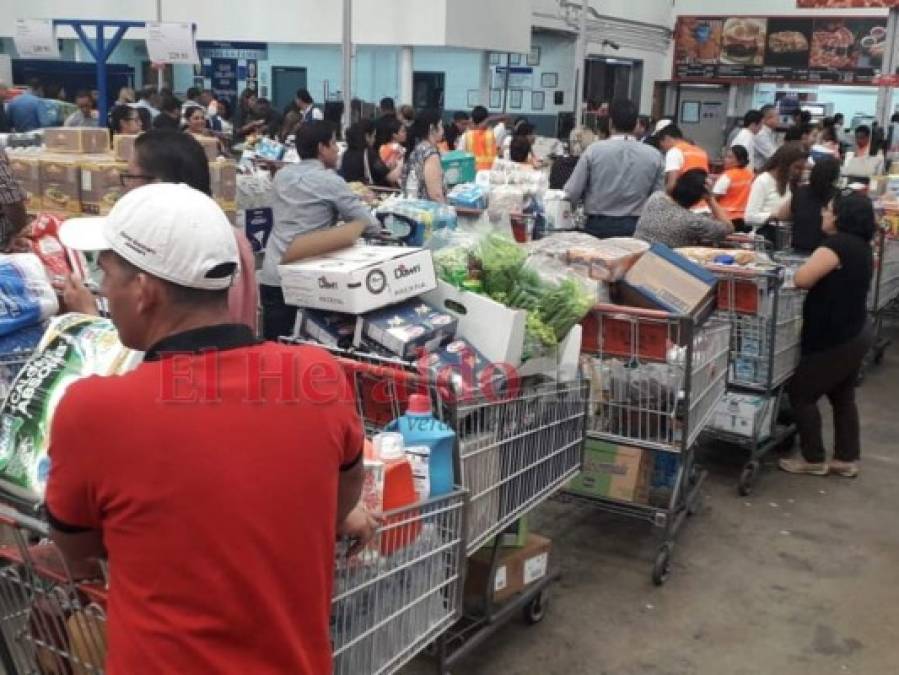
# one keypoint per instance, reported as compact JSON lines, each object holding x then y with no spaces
{"x":656,"y":380}
{"x":389,"y":601}
{"x":884,"y":291}
{"x":515,"y":446}
{"x":764,"y":310}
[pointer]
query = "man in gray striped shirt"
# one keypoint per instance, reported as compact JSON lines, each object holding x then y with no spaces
{"x":615,"y":177}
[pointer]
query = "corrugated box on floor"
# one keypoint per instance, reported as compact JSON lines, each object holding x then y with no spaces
{"x":661,"y":279}
{"x":358,"y":279}
{"x":60,"y":177}
{"x":26,"y":169}
{"x":123,"y":146}
{"x":101,"y":184}
{"x":77,"y":139}
{"x":223,"y":182}
{"x":612,"y":471}
{"x":516,"y":568}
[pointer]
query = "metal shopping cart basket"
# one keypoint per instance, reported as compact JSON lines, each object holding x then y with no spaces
{"x":656,"y":380}
{"x":516,"y":444}
{"x":884,"y":289}
{"x":389,"y":601}
{"x":764,"y":310}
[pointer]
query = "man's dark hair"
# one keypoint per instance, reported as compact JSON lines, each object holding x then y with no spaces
{"x":838,"y":118}
{"x":146,"y":93}
{"x":83,"y":93}
{"x":520,"y":149}
{"x":460,"y":116}
{"x":623,"y":114}
{"x":478,"y":114}
{"x":304,"y":95}
{"x":822,"y":178}
{"x":765,"y":109}
{"x":690,"y":188}
{"x":523,"y":129}
{"x":193,"y":93}
{"x":855,"y":215}
{"x":118,"y":114}
{"x":173,"y":157}
{"x":169,"y":104}
{"x":741,"y":154}
{"x":752,"y":117}
{"x":311,"y":135}
{"x":864,"y":130}
{"x":671,"y":131}
{"x":794,"y":133}
{"x":387,"y":103}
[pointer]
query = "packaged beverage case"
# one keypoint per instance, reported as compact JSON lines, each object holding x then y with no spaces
{"x":419,"y":457}
{"x":419,"y":427}
{"x":399,"y":492}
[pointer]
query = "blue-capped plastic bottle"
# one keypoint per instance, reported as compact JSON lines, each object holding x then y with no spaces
{"x":419,"y":427}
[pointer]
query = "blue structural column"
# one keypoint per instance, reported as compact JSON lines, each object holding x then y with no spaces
{"x":100,"y":49}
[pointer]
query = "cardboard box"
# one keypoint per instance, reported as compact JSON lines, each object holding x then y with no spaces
{"x":612,"y":471}
{"x":458,"y":167}
{"x":460,"y":365}
{"x":60,"y":177}
{"x":223,"y":181}
{"x":26,"y":170}
{"x":661,"y":279}
{"x":407,"y":328}
{"x":746,"y":415}
{"x":101,"y":185}
{"x":358,"y":279}
{"x":123,"y":146}
{"x":516,"y":535}
{"x":516,"y":569}
{"x":80,"y":140}
{"x":331,"y":329}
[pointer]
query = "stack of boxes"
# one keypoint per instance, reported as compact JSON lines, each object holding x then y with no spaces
{"x":75,"y":173}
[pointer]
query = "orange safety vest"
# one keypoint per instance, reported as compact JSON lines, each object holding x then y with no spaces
{"x":737,"y":196}
{"x":482,"y":144}
{"x":694,"y":157}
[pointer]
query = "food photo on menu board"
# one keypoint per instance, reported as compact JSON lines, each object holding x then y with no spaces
{"x":743,"y":41}
{"x":789,"y":42}
{"x":698,"y":40}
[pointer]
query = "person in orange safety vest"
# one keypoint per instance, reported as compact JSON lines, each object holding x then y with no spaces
{"x":479,"y":140}
{"x":680,"y":156}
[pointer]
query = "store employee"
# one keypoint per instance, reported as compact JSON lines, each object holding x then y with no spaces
{"x":615,"y":177}
{"x":309,"y":199}
{"x":214,"y":488}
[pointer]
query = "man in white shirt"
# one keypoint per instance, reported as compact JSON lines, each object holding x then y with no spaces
{"x":752,"y":124}
{"x":765,"y":143}
{"x":145,"y":100}
{"x":306,"y":108}
{"x":85,"y":116}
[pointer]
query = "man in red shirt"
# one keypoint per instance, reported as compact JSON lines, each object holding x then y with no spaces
{"x":214,"y":475}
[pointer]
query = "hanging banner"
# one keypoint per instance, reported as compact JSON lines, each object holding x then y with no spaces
{"x":171,"y":42}
{"x":35,"y":39}
{"x":519,"y":77}
{"x":224,"y":80}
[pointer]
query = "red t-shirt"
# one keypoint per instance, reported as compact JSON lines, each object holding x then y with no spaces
{"x":219,"y":515}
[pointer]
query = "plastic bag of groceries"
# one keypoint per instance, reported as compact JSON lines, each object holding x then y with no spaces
{"x":75,"y":346}
{"x":27,"y":296}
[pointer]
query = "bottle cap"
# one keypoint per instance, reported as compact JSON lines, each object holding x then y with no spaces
{"x":419,"y":403}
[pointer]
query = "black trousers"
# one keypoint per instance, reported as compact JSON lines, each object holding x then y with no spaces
{"x":604,"y":227}
{"x":278,"y":318}
{"x":832,"y":373}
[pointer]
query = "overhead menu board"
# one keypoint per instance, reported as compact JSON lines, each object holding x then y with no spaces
{"x":795,"y":49}
{"x":845,"y":4}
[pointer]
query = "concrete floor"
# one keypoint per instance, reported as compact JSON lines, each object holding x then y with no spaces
{"x":800,"y":578}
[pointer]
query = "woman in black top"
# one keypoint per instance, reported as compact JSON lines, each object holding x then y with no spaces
{"x":360,"y":161}
{"x":835,"y":336}
{"x":807,"y":204}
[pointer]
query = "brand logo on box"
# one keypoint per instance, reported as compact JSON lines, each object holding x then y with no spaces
{"x":402,"y":271}
{"x":376,"y":282}
{"x":324,"y":284}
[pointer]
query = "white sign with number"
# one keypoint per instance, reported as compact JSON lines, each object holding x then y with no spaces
{"x":35,"y":39}
{"x":171,"y":43}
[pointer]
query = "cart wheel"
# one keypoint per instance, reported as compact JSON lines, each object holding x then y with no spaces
{"x":535,"y":610}
{"x":747,"y":478}
{"x":662,"y":567}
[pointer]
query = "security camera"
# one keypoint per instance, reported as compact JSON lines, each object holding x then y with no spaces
{"x":610,"y":43}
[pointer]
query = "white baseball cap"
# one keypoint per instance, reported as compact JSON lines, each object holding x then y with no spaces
{"x":168,"y":230}
{"x":661,"y":124}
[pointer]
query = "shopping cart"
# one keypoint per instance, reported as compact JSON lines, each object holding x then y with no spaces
{"x":516,"y":444}
{"x":764,"y":310}
{"x":390,"y":601}
{"x":656,"y":380}
{"x":884,"y":290}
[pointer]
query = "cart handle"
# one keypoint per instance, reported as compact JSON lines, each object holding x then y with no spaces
{"x":607,"y":308}
{"x":397,"y":373}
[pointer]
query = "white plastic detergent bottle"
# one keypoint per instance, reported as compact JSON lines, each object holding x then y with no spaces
{"x":419,"y":427}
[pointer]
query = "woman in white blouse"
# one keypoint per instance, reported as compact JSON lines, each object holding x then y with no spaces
{"x":772,"y":187}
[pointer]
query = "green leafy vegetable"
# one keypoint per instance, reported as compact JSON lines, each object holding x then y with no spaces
{"x":501,"y":259}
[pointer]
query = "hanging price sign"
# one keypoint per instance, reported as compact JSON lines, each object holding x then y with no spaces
{"x":171,"y":43}
{"x":35,"y":39}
